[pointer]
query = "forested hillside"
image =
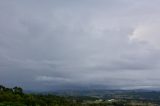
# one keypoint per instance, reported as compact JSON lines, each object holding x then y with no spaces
{"x":16,"y":97}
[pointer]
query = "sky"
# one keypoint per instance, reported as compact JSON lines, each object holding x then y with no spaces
{"x":67,"y":44}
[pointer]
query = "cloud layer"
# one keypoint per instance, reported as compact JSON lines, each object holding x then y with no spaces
{"x":53,"y":44}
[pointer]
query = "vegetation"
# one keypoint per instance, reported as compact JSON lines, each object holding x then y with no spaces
{"x":16,"y":97}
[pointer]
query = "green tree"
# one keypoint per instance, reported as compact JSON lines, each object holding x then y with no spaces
{"x":2,"y":88}
{"x":18,"y":90}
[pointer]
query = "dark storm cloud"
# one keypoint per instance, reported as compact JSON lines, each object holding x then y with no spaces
{"x":50,"y":44}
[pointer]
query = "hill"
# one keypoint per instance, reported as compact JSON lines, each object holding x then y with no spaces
{"x":16,"y":97}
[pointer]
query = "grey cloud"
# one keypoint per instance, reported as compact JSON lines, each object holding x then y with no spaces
{"x":59,"y":44}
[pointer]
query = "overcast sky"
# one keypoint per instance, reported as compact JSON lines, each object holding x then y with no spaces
{"x":52,"y":44}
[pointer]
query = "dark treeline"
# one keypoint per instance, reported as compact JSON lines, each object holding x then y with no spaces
{"x":16,"y":97}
